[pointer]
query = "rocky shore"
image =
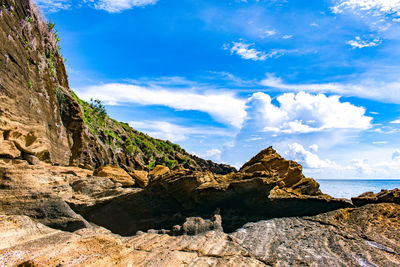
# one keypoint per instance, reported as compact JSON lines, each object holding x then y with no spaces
{"x":73,"y":193}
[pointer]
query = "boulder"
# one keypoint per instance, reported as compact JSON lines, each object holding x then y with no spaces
{"x":9,"y":150}
{"x":140,"y":178}
{"x":385,"y":196}
{"x":289,"y":172}
{"x":116,"y":174}
{"x":33,"y":160}
{"x":158,"y":171}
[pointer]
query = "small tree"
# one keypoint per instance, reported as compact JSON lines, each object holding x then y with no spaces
{"x":98,"y":108}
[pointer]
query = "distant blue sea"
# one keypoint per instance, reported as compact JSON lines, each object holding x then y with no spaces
{"x":355,"y":187}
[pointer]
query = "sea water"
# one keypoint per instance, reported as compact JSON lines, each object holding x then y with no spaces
{"x":348,"y":188}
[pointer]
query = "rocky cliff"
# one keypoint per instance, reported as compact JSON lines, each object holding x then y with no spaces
{"x":40,"y":116}
{"x":78,"y":188}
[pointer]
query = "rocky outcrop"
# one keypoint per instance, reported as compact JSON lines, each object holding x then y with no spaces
{"x":34,"y":191}
{"x":240,"y":197}
{"x":385,"y":196}
{"x":116,"y":174}
{"x":365,"y":236}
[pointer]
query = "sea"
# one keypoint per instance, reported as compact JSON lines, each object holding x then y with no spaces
{"x":347,"y":188}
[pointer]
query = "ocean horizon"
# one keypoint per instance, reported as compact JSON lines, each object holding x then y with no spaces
{"x":348,"y":188}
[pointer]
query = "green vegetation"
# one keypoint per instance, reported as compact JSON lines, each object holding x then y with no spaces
{"x":30,"y":85}
{"x":60,"y":95}
{"x":3,"y":4}
{"x":29,"y":19}
{"x":50,"y":63}
{"x":50,"y":25}
{"x":120,"y":135}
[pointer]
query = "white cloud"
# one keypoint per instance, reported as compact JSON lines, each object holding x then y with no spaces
{"x":244,"y":51}
{"x":269,"y":33}
{"x":53,"y":5}
{"x":213,"y":154}
{"x":114,"y":6}
{"x":287,"y":36}
{"x":306,"y":113}
{"x":379,"y":142}
{"x":225,"y":107}
{"x":173,"y":132}
{"x":306,"y":158}
{"x":359,"y":43}
{"x":365,"y":88}
{"x":395,"y":121}
{"x":375,"y":6}
{"x":314,"y":147}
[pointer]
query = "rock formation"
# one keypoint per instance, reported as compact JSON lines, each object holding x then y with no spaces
{"x":80,"y":189}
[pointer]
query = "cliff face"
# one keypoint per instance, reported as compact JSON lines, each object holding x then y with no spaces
{"x":32,"y":74}
{"x":40,"y":116}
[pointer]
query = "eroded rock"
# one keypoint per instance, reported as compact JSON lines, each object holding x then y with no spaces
{"x":116,"y":174}
{"x":385,"y":196}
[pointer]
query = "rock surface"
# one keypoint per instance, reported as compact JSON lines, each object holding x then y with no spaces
{"x":116,"y":174}
{"x":240,"y":197}
{"x":385,"y":196}
{"x":365,"y":236}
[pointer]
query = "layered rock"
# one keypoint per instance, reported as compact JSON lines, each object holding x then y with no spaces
{"x":366,"y":236}
{"x":385,"y":196}
{"x":248,"y":195}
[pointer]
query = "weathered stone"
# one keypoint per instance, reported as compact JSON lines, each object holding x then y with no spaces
{"x":140,"y":178}
{"x":9,"y":150}
{"x":116,"y":174}
{"x":33,"y":160}
{"x":289,"y":172}
{"x":158,"y":170}
{"x":388,"y":196}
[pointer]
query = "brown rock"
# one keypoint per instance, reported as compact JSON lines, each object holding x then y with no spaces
{"x":9,"y":150}
{"x":289,"y":172}
{"x":158,"y":171}
{"x":33,"y":160}
{"x":388,"y":196}
{"x":116,"y":174}
{"x":140,"y":178}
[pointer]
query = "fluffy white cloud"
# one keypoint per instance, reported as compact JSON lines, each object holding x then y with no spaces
{"x":114,"y":6}
{"x":305,"y":113}
{"x":246,"y":51}
{"x":306,"y":158}
{"x":395,"y":121}
{"x":53,"y":5}
{"x":378,"y":6}
{"x":173,"y":132}
{"x":222,"y":106}
{"x":365,"y":88}
{"x":359,"y":43}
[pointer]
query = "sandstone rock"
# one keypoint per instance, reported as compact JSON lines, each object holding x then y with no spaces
{"x":365,"y":236}
{"x":388,"y":196}
{"x":158,"y":171}
{"x":140,"y":177}
{"x":33,"y":160}
{"x":116,"y":174}
{"x":9,"y":150}
{"x":241,"y":197}
{"x":289,"y":172}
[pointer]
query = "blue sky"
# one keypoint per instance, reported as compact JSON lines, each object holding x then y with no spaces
{"x":318,"y":80}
